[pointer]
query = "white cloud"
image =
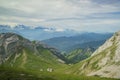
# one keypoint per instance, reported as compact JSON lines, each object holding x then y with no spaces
{"x":73,"y":14}
{"x":60,"y":29}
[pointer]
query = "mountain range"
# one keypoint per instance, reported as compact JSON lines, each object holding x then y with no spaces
{"x":21,"y":58}
{"x":67,"y":44}
{"x":79,"y":47}
{"x":35,"y":33}
{"x":71,"y":40}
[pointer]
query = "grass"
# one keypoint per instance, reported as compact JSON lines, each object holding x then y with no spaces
{"x":73,"y":53}
{"x":19,"y":74}
{"x":15,"y":74}
{"x":44,"y":60}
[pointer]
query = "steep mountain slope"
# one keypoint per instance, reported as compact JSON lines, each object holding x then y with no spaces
{"x":80,"y":52}
{"x":78,"y":55}
{"x":105,"y":61}
{"x":18,"y":52}
{"x":68,"y":44}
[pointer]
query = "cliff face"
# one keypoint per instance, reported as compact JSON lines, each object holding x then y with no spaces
{"x":12,"y":44}
{"x":109,"y":64}
{"x":105,"y":61}
{"x":114,"y":40}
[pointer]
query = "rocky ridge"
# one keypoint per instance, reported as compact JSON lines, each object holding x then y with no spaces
{"x":105,"y":61}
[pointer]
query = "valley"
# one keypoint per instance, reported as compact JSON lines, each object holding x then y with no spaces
{"x":33,"y":60}
{"x":59,"y":39}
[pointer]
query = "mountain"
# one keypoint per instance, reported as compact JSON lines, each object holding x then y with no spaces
{"x":36,"y":32}
{"x":82,"y":51}
{"x":67,"y":44}
{"x":22,"y":59}
{"x":18,"y":52}
{"x":104,"y":62}
{"x":91,"y":44}
{"x":78,"y":55}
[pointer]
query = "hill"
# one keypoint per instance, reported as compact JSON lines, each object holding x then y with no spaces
{"x":18,"y":52}
{"x":78,"y":55}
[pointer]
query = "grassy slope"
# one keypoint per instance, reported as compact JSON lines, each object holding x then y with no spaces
{"x":14,"y":73}
{"x":27,"y":67}
{"x":74,"y":53}
{"x":91,"y":64}
{"x":34,"y":62}
{"x":78,"y":55}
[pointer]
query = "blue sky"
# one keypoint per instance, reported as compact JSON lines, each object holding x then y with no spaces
{"x":79,"y":15}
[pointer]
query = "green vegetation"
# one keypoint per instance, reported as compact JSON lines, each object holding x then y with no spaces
{"x":74,"y":53}
{"x":35,"y":62}
{"x":104,"y":58}
{"x":32,"y":61}
{"x":19,"y":74}
{"x":78,"y":55}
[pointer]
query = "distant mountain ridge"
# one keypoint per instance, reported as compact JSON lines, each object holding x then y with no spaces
{"x":68,"y":44}
{"x":35,"y":33}
{"x":79,"y":47}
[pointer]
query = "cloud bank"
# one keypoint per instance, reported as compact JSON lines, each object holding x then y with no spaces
{"x":80,"y":15}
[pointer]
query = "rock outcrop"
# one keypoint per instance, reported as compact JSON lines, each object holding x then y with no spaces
{"x":105,"y":61}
